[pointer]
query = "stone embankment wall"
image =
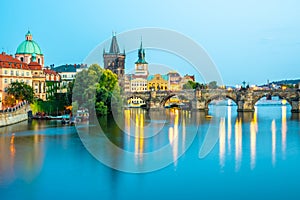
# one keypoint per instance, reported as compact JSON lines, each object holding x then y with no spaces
{"x":15,"y":116}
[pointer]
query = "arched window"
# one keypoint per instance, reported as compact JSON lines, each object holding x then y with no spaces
{"x":39,"y":61}
{"x":22,"y":59}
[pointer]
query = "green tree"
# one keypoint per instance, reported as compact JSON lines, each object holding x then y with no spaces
{"x":21,"y":91}
{"x":212,"y":85}
{"x":96,"y":87}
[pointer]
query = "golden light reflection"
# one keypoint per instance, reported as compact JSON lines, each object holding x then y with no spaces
{"x":127,"y":114}
{"x":229,"y":129}
{"x":273,"y":128}
{"x":141,"y":145}
{"x":183,"y":133}
{"x":283,"y":131}
{"x":139,"y":137}
{"x":222,"y":143}
{"x":253,"y":132}
{"x":238,"y":144}
{"x":12,"y":145}
{"x":173,"y":137}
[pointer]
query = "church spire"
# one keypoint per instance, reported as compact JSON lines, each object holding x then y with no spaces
{"x":141,"y":55}
{"x":114,"y":47}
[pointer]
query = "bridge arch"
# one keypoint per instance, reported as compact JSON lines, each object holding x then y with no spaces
{"x":180,"y":96}
{"x":210,"y":99}
{"x":136,"y":96}
{"x":272,"y":94}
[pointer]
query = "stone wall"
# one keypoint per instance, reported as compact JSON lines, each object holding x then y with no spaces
{"x":17,"y":116}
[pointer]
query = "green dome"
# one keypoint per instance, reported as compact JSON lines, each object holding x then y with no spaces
{"x":29,"y":46}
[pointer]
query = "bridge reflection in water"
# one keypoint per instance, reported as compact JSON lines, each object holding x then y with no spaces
{"x":242,"y":136}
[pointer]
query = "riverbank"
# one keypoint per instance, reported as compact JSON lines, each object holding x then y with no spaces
{"x":13,"y":117}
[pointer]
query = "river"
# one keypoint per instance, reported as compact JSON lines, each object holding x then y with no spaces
{"x":168,"y":154}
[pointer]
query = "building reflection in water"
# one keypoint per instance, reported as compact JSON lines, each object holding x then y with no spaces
{"x":283,"y":131}
{"x":238,"y":143}
{"x":229,"y":129}
{"x":222,"y":143}
{"x":173,"y":132}
{"x":253,"y":132}
{"x":139,"y":138}
{"x":17,"y":161}
{"x":273,"y":128}
{"x":173,"y":136}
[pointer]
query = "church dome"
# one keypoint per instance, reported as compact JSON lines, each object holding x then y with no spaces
{"x":29,"y":46}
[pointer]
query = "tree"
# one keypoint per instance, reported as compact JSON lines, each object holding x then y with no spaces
{"x":96,"y":87}
{"x":193,"y":85}
{"x":21,"y":91}
{"x":212,"y":85}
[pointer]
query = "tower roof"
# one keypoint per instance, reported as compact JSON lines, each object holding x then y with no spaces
{"x":141,"y":55}
{"x":114,"y":47}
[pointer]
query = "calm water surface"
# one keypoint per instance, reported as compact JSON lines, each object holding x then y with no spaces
{"x":257,"y":156}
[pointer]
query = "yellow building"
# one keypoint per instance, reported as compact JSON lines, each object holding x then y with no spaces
{"x":158,"y":82}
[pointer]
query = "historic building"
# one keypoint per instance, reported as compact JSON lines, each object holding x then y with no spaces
{"x":185,"y":79}
{"x":158,"y":82}
{"x":53,"y":79}
{"x":38,"y":78}
{"x":175,"y":79}
{"x":141,"y":66}
{"x":27,"y":48}
{"x":139,"y":78}
{"x":68,"y":73}
{"x":115,"y":61}
{"x":12,"y":70}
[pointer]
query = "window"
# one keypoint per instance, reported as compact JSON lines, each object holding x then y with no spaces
{"x":17,"y":73}
{"x":11,"y":72}
{"x":39,"y":61}
{"x":27,"y":73}
{"x":5,"y":80}
{"x":5,"y":71}
{"x":11,"y":80}
{"x":22,"y":73}
{"x":22,"y":59}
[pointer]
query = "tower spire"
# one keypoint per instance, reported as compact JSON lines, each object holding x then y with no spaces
{"x":114,"y":47}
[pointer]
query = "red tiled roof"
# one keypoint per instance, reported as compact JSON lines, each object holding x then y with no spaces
{"x":51,"y":72}
{"x":7,"y":61}
{"x":34,"y":66}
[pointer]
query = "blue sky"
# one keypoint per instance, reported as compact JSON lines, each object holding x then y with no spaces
{"x":247,"y":40}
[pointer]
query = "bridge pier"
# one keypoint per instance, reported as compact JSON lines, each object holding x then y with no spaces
{"x":295,"y":106}
{"x":245,"y":106}
{"x":245,"y":101}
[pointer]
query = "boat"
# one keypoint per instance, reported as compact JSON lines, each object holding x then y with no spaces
{"x":82,"y":115}
{"x":208,"y":116}
{"x":65,"y":121}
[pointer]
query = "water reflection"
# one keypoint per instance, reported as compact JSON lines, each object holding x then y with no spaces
{"x":253,"y":132}
{"x":273,"y":128}
{"x":229,"y":129}
{"x":283,"y":131}
{"x":222,"y":143}
{"x":20,"y":157}
{"x":238,"y":143}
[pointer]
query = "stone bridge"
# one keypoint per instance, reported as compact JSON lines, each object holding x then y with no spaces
{"x":200,"y":99}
